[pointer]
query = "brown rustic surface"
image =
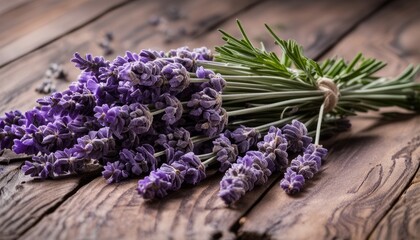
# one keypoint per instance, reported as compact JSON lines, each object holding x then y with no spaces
{"x":363,"y":191}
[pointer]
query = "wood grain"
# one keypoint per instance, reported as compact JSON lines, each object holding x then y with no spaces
{"x":36,"y":23}
{"x":368,"y":169}
{"x":117,"y":211}
{"x":24,"y":201}
{"x":6,"y":5}
{"x":24,"y":204}
{"x":403,"y":220}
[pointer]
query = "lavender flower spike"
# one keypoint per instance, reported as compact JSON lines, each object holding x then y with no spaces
{"x":292,"y":182}
{"x":274,"y":148}
{"x":244,"y":138}
{"x":226,"y":152}
{"x":183,"y":168}
{"x":249,"y":170}
{"x":303,"y":167}
{"x":296,"y":135}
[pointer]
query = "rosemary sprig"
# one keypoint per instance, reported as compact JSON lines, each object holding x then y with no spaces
{"x":264,"y":82}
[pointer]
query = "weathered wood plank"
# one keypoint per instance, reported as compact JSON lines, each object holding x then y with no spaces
{"x":366,"y":171}
{"x":22,"y":196}
{"x":36,"y":23}
{"x":116,"y":211}
{"x":402,"y":221}
{"x":21,"y":94}
{"x":6,"y":5}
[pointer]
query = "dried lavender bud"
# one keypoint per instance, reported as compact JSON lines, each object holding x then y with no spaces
{"x":259,"y":165}
{"x":147,"y":55}
{"x":67,"y":162}
{"x":96,"y":144}
{"x":173,"y":108}
{"x":296,"y":135}
{"x":215,"y":82}
{"x":303,"y":167}
{"x":250,"y":170}
{"x":195,"y":171}
{"x":8,"y":128}
{"x":135,"y":73}
{"x":41,"y":166}
{"x":177,"y":77}
{"x":31,"y":141}
{"x":159,"y":182}
{"x":183,"y":168}
{"x":139,"y":161}
{"x":46,"y":87}
{"x":106,"y":42}
{"x":114,"y":172}
{"x":244,"y":137}
{"x":121,"y":119}
{"x":213,"y":122}
{"x":237,"y":180}
{"x":56,"y":136}
{"x":204,"y":100}
{"x":90,"y":64}
{"x":203,"y":53}
{"x":274,"y":147}
{"x":315,"y":153}
{"x":36,"y":117}
{"x":56,"y":71}
{"x":292,"y":182}
{"x":177,"y":140}
{"x":226,"y":152}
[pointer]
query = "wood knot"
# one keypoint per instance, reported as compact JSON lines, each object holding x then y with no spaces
{"x":331,"y":93}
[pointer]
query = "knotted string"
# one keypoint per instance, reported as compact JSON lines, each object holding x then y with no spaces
{"x":331,"y":93}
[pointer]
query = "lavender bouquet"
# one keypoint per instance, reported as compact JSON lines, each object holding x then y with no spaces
{"x":165,"y":118}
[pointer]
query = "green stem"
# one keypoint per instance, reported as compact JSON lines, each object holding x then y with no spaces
{"x":318,"y":125}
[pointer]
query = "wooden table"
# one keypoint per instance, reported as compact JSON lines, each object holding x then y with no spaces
{"x":369,"y":186}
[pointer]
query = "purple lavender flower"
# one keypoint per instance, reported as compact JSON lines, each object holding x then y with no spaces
{"x":177,"y":77}
{"x":296,"y":135}
{"x":121,"y":119}
{"x":147,"y":55}
{"x":160,"y":182}
{"x":195,"y":171}
{"x":95,"y":145}
{"x":90,"y":64}
{"x":303,"y":167}
{"x":173,"y":108}
{"x":250,"y":170}
{"x":201,"y":72}
{"x":226,"y":152}
{"x":292,"y":182}
{"x":9,"y":128}
{"x":178,"y":139}
{"x":244,"y":137}
{"x":213,"y":122}
{"x":183,"y":168}
{"x":114,"y":172}
{"x":40,"y":166}
{"x":274,"y":147}
{"x":67,"y":162}
{"x":206,"y":99}
{"x":139,"y":161}
{"x":35,"y":117}
{"x":315,"y":153}
{"x":215,"y":82}
{"x":203,"y":53}
{"x":31,"y":141}
{"x":259,"y":165}
{"x":238,"y":180}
